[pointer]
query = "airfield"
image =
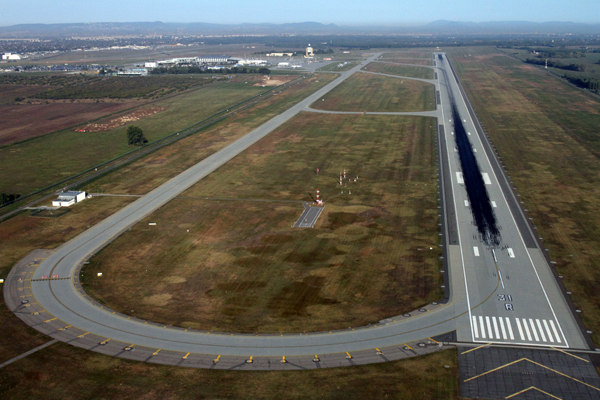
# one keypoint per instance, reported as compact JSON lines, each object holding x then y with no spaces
{"x":508,"y":297}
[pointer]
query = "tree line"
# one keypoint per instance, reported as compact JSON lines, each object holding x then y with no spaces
{"x":585,"y":83}
{"x":557,"y":64}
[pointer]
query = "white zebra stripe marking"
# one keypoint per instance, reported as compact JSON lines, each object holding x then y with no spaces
{"x":459,"y":178}
{"x":548,"y":331}
{"x":475,"y":328}
{"x":496,"y":328}
{"x":502,"y":327}
{"x":535,"y":335}
{"x":520,"y":329}
{"x":510,"y":331}
{"x":555,"y":331}
{"x":539,"y":325}
{"x":489,"y":326}
{"x":482,"y":327}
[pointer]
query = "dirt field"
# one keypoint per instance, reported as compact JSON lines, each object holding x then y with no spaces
{"x":273,"y":80}
{"x":120,"y":121}
{"x":239,"y":266}
{"x":20,"y":122}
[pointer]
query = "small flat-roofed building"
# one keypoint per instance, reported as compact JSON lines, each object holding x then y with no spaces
{"x":67,"y":199}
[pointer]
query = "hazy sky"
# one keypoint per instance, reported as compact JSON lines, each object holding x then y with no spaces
{"x":388,"y":12}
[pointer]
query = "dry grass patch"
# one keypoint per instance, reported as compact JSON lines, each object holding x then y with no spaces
{"x":247,"y":270}
{"x":401,"y":70}
{"x":368,"y":92}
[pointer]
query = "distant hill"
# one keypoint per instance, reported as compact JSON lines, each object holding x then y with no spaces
{"x":301,"y":28}
{"x":556,"y":27}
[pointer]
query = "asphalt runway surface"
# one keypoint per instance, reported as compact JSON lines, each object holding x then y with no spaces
{"x":509,"y":296}
{"x":309,"y":216}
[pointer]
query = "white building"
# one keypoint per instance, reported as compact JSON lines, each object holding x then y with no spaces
{"x":252,"y":62}
{"x":283,"y":65}
{"x":151,"y":64}
{"x":67,"y":199}
{"x":133,"y":72}
{"x":11,"y":57}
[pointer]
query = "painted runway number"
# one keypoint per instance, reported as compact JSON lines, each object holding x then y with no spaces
{"x":506,"y":297}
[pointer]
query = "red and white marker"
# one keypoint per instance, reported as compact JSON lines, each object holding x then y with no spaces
{"x":319,"y":201}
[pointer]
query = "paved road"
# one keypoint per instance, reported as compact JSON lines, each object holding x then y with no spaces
{"x":538,"y":315}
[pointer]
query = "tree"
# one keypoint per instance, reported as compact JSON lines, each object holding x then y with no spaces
{"x":264,"y":71}
{"x":135,"y":136}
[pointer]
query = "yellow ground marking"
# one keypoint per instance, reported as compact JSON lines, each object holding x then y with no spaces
{"x":476,"y":348}
{"x":216,"y":360}
{"x":26,"y":295}
{"x":407,"y":346}
{"x":48,"y":320}
{"x":348,"y":356}
{"x":156,"y":352}
{"x":104,"y":341}
{"x":66,"y":327}
{"x":186,"y":356}
{"x":534,"y":388}
{"x":433,"y":340}
{"x":82,"y":335}
{"x":569,"y":354}
{"x":538,"y":364}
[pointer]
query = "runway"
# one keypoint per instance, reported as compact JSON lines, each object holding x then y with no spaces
{"x":508,"y":296}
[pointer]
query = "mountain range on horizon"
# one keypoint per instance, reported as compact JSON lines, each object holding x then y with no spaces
{"x":299,"y":28}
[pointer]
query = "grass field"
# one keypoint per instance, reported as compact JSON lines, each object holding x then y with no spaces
{"x":402,"y":70}
{"x":66,"y":372}
{"x":334,"y":66}
{"x":241,"y":267}
{"x":407,"y":54}
{"x":62,"y":371}
{"x":546,"y":134}
{"x":416,"y":61}
{"x":588,"y":60}
{"x":142,"y":176}
{"x":378,"y":93}
{"x":22,"y":234}
{"x":36,"y":163}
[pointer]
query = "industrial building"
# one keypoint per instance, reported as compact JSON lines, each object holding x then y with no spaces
{"x":279,"y":54}
{"x":67,"y":199}
{"x":11,"y":57}
{"x":133,"y":72}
